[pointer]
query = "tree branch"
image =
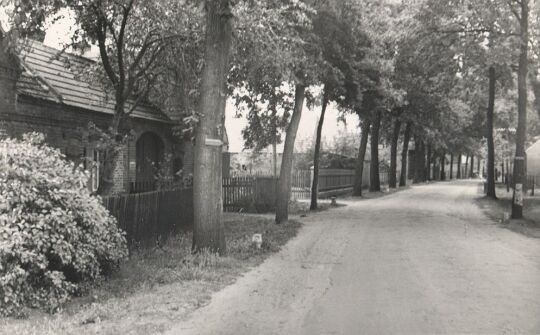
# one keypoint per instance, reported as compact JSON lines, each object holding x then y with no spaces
{"x":101,"y":33}
{"x":512,"y":9}
{"x":120,"y":48}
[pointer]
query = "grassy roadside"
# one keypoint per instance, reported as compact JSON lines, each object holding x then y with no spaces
{"x":494,"y":209}
{"x":156,"y":288}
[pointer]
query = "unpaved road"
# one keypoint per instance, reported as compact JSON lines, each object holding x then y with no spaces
{"x":424,"y":260}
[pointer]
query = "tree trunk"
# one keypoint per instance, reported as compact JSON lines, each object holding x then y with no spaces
{"x":458,"y":167}
{"x":284,"y":186}
{"x":110,"y":157}
{"x":274,"y":157}
{"x":507,"y":176}
{"x":208,"y":229}
{"x":316,"y":155}
{"x":374,"y":181}
{"x":471,"y":174}
{"x":489,"y":133}
{"x":519,"y":159}
{"x":111,"y":154}
{"x":404,"y":155}
{"x":359,"y":171}
{"x":435,"y":170}
{"x":274,"y":143}
{"x":392,"y":174}
{"x":419,"y":161}
{"x":466,"y":167}
{"x":428,"y":162}
{"x":451,"y":165}
{"x":443,"y":162}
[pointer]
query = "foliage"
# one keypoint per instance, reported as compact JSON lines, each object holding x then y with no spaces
{"x":269,"y":57}
{"x":267,"y":111}
{"x":53,"y":234}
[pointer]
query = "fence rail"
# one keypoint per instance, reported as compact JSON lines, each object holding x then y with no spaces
{"x":532,"y":182}
{"x":237,"y":193}
{"x":301,"y":184}
{"x":152,"y":216}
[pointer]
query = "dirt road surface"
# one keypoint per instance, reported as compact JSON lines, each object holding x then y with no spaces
{"x":420,"y":261}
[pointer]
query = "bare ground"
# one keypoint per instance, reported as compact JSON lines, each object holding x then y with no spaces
{"x":424,"y":260}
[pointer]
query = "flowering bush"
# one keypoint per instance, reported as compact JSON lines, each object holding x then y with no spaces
{"x":53,"y":234}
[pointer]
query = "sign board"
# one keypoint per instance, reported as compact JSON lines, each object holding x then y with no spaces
{"x":518,"y":197}
{"x":213,"y":142}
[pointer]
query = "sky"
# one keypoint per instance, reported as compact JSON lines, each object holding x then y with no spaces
{"x":59,"y":33}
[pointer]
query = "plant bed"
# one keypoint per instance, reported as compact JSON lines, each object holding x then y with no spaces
{"x":158,"y":287}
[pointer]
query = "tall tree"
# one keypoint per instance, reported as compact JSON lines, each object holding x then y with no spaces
{"x":458,"y":175}
{"x":208,"y":229}
{"x":405,"y":154}
{"x":132,"y":36}
{"x":292,"y":56}
{"x":451,"y":172}
{"x":490,"y":144}
{"x":284,"y":184}
{"x":374,"y":178}
{"x":519,"y":159}
{"x":392,"y":175}
{"x":343,"y":47}
{"x":316,"y":155}
{"x":359,"y":169}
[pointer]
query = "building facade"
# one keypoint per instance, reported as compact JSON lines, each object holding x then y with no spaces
{"x":43,"y":90}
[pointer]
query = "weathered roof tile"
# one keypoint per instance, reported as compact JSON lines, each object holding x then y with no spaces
{"x":49,"y":74}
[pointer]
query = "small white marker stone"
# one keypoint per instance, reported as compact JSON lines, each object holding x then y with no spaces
{"x":257,"y":240}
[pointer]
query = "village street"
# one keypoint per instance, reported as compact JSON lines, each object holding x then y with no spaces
{"x":423,"y":260}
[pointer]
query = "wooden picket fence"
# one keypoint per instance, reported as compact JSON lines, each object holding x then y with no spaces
{"x":150,"y":217}
{"x":532,"y":183}
{"x":237,"y":193}
{"x":301,"y":184}
{"x":240,"y":193}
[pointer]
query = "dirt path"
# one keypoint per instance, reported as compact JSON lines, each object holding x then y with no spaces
{"x":424,"y":260}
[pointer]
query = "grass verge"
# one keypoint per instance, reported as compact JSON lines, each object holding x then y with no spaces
{"x":495,"y":208}
{"x":156,"y":288}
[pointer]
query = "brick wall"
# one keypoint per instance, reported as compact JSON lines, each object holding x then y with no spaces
{"x":66,"y":128}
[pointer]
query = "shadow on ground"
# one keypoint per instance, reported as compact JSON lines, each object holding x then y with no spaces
{"x":495,"y":209}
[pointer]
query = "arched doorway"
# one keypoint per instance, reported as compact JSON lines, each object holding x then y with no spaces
{"x":149,"y":154}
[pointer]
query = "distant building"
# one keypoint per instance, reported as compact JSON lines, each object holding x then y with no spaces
{"x":533,"y":159}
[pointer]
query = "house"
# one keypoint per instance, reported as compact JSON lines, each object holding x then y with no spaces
{"x":41,"y":90}
{"x":533,"y":159}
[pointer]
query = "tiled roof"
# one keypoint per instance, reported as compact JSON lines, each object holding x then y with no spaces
{"x":49,"y":74}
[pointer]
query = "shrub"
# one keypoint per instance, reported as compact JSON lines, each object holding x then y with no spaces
{"x":54,"y":235}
